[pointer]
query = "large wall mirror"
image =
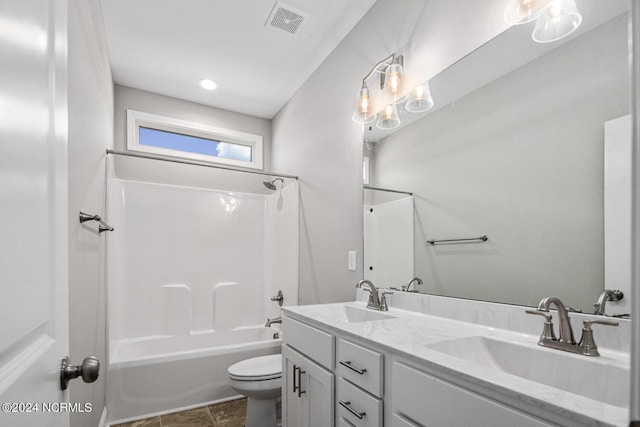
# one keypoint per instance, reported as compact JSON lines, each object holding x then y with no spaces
{"x":514,"y":149}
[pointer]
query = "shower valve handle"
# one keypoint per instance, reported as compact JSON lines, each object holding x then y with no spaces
{"x":279,"y":298}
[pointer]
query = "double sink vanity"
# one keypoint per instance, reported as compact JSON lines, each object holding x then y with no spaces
{"x":440,"y":362}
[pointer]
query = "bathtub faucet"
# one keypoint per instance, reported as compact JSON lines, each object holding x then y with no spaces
{"x":272,"y":321}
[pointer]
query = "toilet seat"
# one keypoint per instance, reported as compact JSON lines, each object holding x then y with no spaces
{"x":257,"y":369}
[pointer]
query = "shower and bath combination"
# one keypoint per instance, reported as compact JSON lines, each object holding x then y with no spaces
{"x":193,"y":323}
{"x":271,"y":185}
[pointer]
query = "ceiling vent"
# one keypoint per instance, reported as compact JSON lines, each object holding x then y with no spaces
{"x":286,"y":19}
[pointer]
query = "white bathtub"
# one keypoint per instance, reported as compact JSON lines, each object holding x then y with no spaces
{"x":154,"y":375}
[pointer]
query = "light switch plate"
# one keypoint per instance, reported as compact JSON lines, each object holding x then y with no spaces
{"x":351,"y":261}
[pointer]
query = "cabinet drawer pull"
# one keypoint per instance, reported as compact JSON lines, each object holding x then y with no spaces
{"x":295,"y":387}
{"x":300,"y":372}
{"x":347,"y":405}
{"x":347,"y":364}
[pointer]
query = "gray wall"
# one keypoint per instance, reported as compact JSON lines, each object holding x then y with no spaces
{"x":314,"y":137}
{"x":90,"y":133}
{"x":155,"y":171}
{"x":521,"y":160}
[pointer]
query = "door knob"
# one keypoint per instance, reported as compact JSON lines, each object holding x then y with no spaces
{"x":89,"y":371}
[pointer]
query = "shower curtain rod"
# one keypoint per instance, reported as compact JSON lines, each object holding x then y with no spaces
{"x":366,"y":187}
{"x":186,"y":162}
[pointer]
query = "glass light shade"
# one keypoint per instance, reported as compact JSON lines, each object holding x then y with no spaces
{"x":559,"y":20}
{"x":522,"y":11}
{"x":419,"y":99}
{"x":388,"y":118}
{"x":362,"y":112}
{"x":208,"y":84}
{"x":393,"y":81}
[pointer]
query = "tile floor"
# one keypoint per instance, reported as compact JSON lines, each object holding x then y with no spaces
{"x":227,"y":414}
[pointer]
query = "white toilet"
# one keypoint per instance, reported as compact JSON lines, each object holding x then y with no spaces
{"x":260,"y":379}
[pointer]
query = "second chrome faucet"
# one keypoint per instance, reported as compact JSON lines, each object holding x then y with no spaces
{"x":565,"y":341}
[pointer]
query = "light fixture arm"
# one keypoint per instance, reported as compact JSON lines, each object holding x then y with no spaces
{"x":386,"y":61}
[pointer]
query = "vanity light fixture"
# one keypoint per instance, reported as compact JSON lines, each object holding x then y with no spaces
{"x":392,"y":94}
{"x":208,"y":84}
{"x":520,"y":12}
{"x":555,"y":19}
{"x":558,"y":20}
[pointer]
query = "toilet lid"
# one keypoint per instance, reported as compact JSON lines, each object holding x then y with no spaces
{"x":263,"y":368}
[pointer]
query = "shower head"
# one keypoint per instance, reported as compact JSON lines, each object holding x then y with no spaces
{"x":271,"y":185}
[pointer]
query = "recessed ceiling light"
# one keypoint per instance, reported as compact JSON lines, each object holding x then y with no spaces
{"x":208,"y":84}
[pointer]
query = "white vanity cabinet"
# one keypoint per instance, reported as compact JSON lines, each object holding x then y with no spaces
{"x":348,"y":366}
{"x":423,"y":399}
{"x":308,"y":396}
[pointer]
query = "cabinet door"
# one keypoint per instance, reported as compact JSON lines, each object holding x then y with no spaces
{"x":318,"y":395}
{"x":291,"y":403}
{"x":307,"y":392}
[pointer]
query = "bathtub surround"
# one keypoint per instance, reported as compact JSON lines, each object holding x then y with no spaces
{"x":190,"y":280}
{"x":388,"y":240}
{"x":227,"y":250}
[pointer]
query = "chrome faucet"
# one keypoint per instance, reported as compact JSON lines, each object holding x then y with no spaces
{"x":375,"y":301}
{"x":566,"y":333}
{"x":272,"y":321}
{"x":607,"y":295}
{"x":566,"y":342}
{"x":417,"y":280}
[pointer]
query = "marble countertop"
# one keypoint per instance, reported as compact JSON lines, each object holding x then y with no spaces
{"x":411,"y":333}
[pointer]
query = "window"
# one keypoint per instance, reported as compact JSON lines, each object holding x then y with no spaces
{"x":154,"y":134}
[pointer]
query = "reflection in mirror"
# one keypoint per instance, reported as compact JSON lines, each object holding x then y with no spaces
{"x":388,"y":237}
{"x":514,"y":149}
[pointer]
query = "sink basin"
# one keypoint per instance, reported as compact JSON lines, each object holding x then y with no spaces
{"x":349,"y":313}
{"x":355,"y":314}
{"x":581,"y":375}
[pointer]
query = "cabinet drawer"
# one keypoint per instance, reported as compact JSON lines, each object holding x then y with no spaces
{"x":357,"y":406}
{"x":361,"y":366}
{"x":312,"y":342}
{"x":344,"y":423}
{"x":400,"y":421}
{"x":434,"y":402}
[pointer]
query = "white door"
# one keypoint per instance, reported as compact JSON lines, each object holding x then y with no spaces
{"x":33,"y":211}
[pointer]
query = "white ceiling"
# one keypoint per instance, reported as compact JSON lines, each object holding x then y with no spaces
{"x":167,"y":46}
